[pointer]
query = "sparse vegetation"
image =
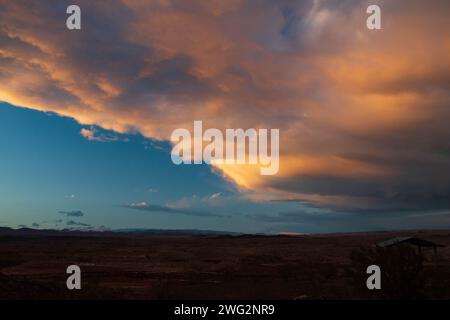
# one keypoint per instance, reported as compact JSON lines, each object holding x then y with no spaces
{"x":406,"y":273}
{"x":131,"y":266}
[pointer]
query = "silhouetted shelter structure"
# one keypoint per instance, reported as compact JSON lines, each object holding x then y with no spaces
{"x":420,"y":243}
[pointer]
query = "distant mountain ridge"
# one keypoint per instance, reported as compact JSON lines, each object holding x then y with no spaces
{"x":175,"y":231}
{"x":6,"y":231}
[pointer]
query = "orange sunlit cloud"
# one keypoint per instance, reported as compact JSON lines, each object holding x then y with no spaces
{"x":362,"y":114}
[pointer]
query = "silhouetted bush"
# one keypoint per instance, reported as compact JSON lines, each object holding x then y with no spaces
{"x":403,"y":274}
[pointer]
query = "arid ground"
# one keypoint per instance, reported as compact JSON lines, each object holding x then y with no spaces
{"x":143,"y":266}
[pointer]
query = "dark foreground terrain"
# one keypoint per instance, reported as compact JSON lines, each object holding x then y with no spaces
{"x":142,"y":266}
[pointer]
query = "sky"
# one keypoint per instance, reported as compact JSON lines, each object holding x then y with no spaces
{"x":86,"y":115}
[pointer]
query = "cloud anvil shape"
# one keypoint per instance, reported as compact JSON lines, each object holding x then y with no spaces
{"x":363,"y":115}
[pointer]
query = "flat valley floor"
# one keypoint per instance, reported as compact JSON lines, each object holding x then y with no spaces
{"x":131,"y":266}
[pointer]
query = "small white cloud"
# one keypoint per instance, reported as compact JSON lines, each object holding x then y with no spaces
{"x":215,"y":195}
{"x":93,"y":134}
{"x":139,"y":205}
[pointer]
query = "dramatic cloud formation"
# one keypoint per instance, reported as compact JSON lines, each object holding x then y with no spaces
{"x":72,"y":213}
{"x":363,"y":115}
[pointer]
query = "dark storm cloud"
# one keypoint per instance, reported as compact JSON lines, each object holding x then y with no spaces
{"x":322,"y":221}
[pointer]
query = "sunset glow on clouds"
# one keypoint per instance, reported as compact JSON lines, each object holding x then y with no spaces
{"x":363,"y":115}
